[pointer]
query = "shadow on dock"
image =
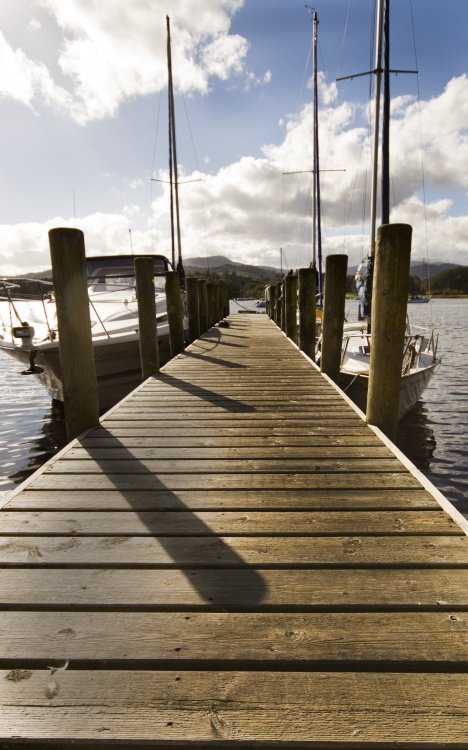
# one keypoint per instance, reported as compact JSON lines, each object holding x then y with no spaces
{"x":213,"y":584}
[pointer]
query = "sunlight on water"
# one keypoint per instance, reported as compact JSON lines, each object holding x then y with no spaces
{"x":31,"y":428}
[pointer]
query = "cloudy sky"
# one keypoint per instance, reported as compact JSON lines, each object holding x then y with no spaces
{"x":83,"y":127}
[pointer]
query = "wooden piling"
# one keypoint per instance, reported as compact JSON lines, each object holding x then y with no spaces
{"x":282,"y":322}
{"x":333,"y":314}
{"x":211,"y":292}
{"x":290,"y":291}
{"x":388,"y":323}
{"x":175,"y":313}
{"x":203,"y":305}
{"x":307,"y":290}
{"x":148,"y":332}
{"x":79,"y":381}
{"x":272,"y":306}
{"x":225,"y":302}
{"x":193,"y":313}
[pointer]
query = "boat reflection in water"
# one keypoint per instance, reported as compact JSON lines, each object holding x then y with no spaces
{"x":415,"y":437}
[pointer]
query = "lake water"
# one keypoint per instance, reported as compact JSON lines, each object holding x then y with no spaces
{"x":434,"y":436}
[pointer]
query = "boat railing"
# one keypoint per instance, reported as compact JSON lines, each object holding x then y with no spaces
{"x":16,"y":291}
{"x":415,"y":345}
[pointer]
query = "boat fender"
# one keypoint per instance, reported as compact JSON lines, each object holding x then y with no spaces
{"x":25,"y":332}
{"x":33,"y":368}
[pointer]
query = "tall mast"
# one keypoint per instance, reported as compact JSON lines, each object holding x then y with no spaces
{"x":173,"y":150}
{"x":317,"y":219}
{"x":386,"y":118}
{"x":378,"y":84}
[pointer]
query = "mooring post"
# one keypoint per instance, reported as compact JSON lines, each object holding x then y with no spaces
{"x":279,"y":303}
{"x":210,"y":289}
{"x":272,"y":306}
{"x":388,"y":323}
{"x":193,"y":313}
{"x":175,"y":313}
{"x":218,"y":302}
{"x":79,"y":380}
{"x":226,"y":309}
{"x":290,"y":293}
{"x":203,"y":305}
{"x":333,"y":315}
{"x":148,"y":331}
{"x":307,"y":284}
{"x":283,"y":306}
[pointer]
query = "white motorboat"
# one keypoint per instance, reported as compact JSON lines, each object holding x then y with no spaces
{"x":420,"y":361}
{"x":28,"y":326}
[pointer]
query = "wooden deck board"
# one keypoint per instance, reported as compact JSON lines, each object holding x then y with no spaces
{"x":232,"y":558}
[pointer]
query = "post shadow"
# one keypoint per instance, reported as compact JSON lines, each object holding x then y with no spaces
{"x":230,"y":404}
{"x":217,"y":585}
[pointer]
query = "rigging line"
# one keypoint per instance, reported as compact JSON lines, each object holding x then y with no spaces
{"x":345,"y":31}
{"x":197,"y":165}
{"x":195,"y":155}
{"x":423,"y":180}
{"x":156,"y":135}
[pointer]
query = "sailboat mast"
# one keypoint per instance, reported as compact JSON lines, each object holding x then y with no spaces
{"x":173,"y":147}
{"x":378,"y":86}
{"x":317,"y":218}
{"x":386,"y":117}
{"x":314,"y":146}
{"x":171,"y":171}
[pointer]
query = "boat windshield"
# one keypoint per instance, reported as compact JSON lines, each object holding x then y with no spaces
{"x":121,"y":266}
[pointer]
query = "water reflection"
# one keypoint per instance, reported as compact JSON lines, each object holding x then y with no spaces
{"x":32,"y":428}
{"x":416,"y":439}
{"x":33,"y":452}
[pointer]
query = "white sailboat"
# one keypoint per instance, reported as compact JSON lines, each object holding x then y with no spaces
{"x":420,"y":357}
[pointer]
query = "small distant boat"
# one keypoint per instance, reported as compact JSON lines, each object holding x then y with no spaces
{"x":28,"y":326}
{"x":418,"y":298}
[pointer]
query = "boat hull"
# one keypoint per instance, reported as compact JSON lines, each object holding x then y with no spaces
{"x":117,"y":360}
{"x":412,"y":387}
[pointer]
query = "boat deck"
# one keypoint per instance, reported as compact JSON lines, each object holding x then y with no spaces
{"x":233,"y":558}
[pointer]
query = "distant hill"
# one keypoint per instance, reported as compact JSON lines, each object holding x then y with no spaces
{"x":421,"y":268}
{"x":221,"y":264}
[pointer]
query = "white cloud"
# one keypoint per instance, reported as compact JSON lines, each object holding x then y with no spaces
{"x":34,"y":25}
{"x":112,"y":51}
{"x":249,"y":209}
{"x":24,"y":80}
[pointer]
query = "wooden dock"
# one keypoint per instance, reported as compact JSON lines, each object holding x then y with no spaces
{"x":233,"y":558}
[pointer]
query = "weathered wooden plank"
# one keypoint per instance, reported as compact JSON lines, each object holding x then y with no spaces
{"x":204,"y":453}
{"x":235,"y":590}
{"x":338,"y":417}
{"x":297,"y":395}
{"x":265,"y":552}
{"x":256,"y":481}
{"x":208,"y":523}
{"x":275,"y":428}
{"x":368,"y":443}
{"x":224,"y":466}
{"x":228,"y":408}
{"x":306,"y":640}
{"x":240,"y":499}
{"x":318,"y":709}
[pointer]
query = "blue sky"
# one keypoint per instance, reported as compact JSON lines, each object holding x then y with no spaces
{"x":83,"y":120}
